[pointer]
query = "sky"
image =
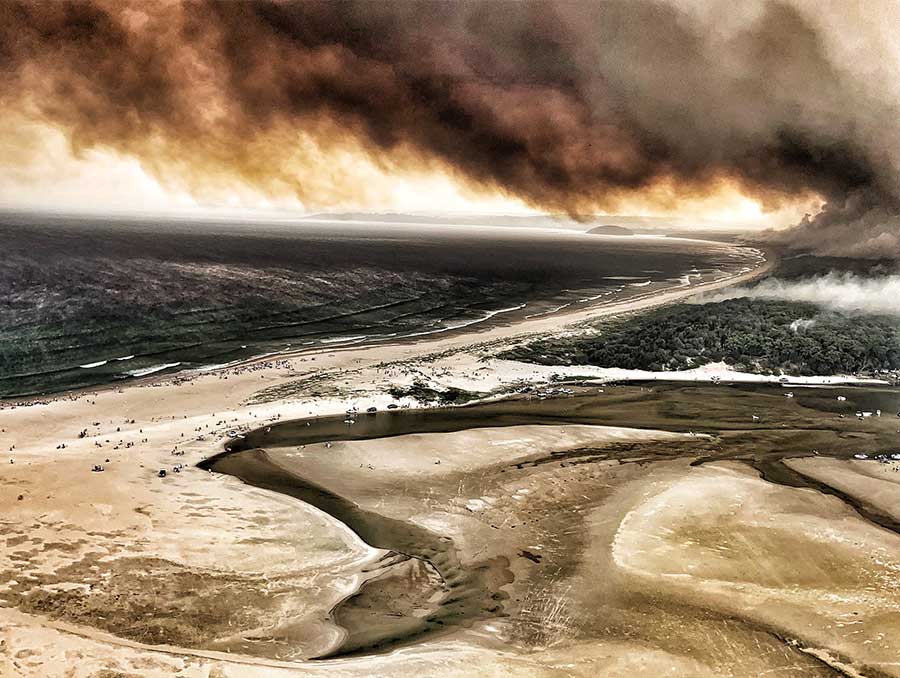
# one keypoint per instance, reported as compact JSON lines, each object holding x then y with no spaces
{"x":770,"y":113}
{"x":44,"y":172}
{"x":104,"y":180}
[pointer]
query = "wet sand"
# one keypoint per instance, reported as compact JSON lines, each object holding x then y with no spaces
{"x":464,"y":593}
{"x":326,"y":447}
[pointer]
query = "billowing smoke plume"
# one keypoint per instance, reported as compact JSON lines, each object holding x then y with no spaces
{"x":863,"y":222}
{"x":844,"y":292}
{"x":572,"y":105}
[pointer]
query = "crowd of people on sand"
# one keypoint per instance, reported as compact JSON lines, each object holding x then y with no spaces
{"x":237,"y":370}
{"x":201,"y":432}
{"x":45,"y":400}
{"x":177,"y":380}
{"x":245,"y":368}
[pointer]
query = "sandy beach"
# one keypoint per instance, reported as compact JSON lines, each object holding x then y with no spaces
{"x":591,"y":562}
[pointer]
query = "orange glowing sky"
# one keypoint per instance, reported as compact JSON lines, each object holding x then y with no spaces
{"x":43,"y":172}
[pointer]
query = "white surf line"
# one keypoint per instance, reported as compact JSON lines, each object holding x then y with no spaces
{"x":145,"y":371}
{"x":549,"y":312}
{"x":656,"y":298}
{"x":725,"y":280}
{"x":338,"y":340}
{"x":469,"y":323}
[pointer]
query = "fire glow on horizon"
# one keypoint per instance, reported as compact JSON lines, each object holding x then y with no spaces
{"x":101,"y":179}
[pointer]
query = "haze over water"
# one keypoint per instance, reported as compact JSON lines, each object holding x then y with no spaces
{"x":86,"y":302}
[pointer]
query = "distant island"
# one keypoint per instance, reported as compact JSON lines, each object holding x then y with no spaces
{"x":610,"y":229}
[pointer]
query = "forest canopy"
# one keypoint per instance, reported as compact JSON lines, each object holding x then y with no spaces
{"x":749,"y":334}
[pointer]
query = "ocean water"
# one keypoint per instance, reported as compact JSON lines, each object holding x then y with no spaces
{"x":86,"y":302}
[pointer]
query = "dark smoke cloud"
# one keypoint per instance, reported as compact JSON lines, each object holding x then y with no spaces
{"x":861,"y":223}
{"x":571,"y":106}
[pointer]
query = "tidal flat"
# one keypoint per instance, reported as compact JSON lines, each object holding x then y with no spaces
{"x":492,"y":509}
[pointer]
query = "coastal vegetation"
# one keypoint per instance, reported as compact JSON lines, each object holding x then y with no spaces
{"x":763,"y":336}
{"x":420,"y":391}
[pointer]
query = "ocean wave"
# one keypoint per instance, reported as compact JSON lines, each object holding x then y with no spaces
{"x":343,"y":315}
{"x":469,"y":323}
{"x":89,"y":366}
{"x":126,"y":357}
{"x":220,"y":366}
{"x":487,"y":316}
{"x":144,"y":371}
{"x":383,"y":337}
{"x":548,"y":312}
{"x":337,"y":340}
{"x":642,"y":284}
{"x":585,"y":300}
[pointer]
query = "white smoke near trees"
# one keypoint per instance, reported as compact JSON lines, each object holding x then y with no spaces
{"x":801,"y":324}
{"x":844,"y":292}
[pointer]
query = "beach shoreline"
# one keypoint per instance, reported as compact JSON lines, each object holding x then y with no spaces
{"x":439,"y":340}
